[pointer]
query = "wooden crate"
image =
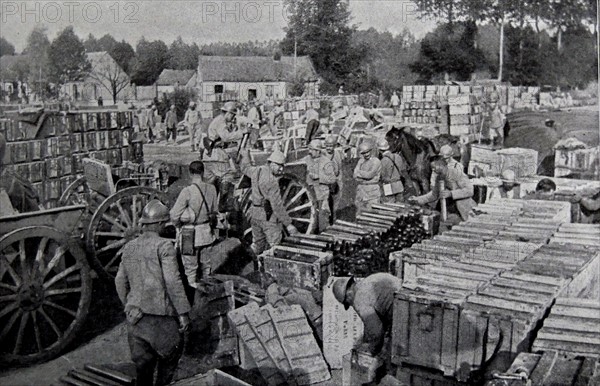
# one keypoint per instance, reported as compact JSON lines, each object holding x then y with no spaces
{"x":309,"y":271}
{"x":425,"y":329}
{"x":214,"y":377}
{"x":551,"y":368}
{"x":418,"y":376}
{"x":342,"y":329}
{"x":360,"y":369}
{"x":219,"y":299}
{"x":571,"y":328}
{"x":282,"y":344}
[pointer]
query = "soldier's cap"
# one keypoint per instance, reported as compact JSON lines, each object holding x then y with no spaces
{"x":509,"y":176}
{"x":446,"y":151}
{"x":229,"y":107}
{"x":331,"y":140}
{"x":383,"y":145}
{"x":315,"y":144}
{"x":277,"y":157}
{"x":192,"y":104}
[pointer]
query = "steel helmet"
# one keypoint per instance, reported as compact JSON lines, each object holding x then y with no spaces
{"x":331,"y":140}
{"x":340,"y":286}
{"x":365,"y":146}
{"x":446,"y":151}
{"x":315,"y":144}
{"x":277,"y":157}
{"x":229,"y":107}
{"x":382,"y":144}
{"x":192,"y":104}
{"x":509,"y":176}
{"x":154,"y":212}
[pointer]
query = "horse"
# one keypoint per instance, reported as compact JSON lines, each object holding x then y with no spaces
{"x":416,"y":152}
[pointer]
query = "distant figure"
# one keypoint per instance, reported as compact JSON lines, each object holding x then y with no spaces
{"x":381,"y":99}
{"x":395,"y":102}
{"x":510,"y":188}
{"x":367,"y":175}
{"x":100,"y":101}
{"x":171,"y":124}
{"x":311,"y":118}
{"x":544,"y":190}
{"x":341,"y":90}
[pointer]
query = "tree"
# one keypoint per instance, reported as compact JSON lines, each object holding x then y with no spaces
{"x":38,"y":46}
{"x":123,"y":53}
{"x":106,"y":43}
{"x":151,"y":58}
{"x":91,"y":44}
{"x":182,"y":56}
{"x":322,"y":30}
{"x":6,"y":48}
{"x":449,"y":49}
{"x":66,"y":58}
{"x":110,"y":75}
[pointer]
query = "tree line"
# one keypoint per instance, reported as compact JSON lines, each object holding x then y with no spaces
{"x":525,"y":42}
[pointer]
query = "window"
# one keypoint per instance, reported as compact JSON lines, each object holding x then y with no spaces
{"x":218,"y":89}
{"x":251,"y":94}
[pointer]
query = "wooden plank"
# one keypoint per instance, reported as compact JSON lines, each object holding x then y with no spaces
{"x":543,"y":369}
{"x":449,"y":340}
{"x":578,"y":303}
{"x":515,"y":295}
{"x":586,"y":372}
{"x":502,"y":304}
{"x":572,"y":324}
{"x":525,"y":286}
{"x":533,"y":278}
{"x":574,"y":312}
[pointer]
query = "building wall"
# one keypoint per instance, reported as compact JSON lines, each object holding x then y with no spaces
{"x":241,"y":90}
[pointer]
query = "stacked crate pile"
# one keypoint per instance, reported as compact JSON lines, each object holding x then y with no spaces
{"x":50,"y":152}
{"x":571,"y":328}
{"x":295,"y":109}
{"x":465,"y":115}
{"x":426,"y":105}
{"x":526,"y":98}
{"x":348,"y":248}
{"x":487,"y":282}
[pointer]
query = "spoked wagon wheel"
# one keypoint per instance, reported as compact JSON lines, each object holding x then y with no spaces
{"x":116,"y":222}
{"x":79,"y":193}
{"x":45,"y":291}
{"x":299,"y":201}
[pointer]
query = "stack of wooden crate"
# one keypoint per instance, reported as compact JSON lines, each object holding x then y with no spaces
{"x":295,"y":109}
{"x":49,"y":152}
{"x":481,"y":289}
{"x":571,"y":328}
{"x":465,"y":114}
{"x":423,"y":112}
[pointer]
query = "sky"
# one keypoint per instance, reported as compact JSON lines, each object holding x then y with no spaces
{"x":199,"y":21}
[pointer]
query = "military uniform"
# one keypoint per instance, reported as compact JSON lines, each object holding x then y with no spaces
{"x":218,"y":163}
{"x":367,"y":175}
{"x":374,"y":303}
{"x":192,"y":120}
{"x":393,"y":168}
{"x":311,"y":118}
{"x":322,"y":175}
{"x":266,"y":227}
{"x":204,"y":236}
{"x":452,"y":164}
{"x":149,"y":285}
{"x":462,"y":192}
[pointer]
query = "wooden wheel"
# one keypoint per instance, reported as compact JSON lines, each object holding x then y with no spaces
{"x":45,"y":292}
{"x":116,"y":222}
{"x":77,"y":193}
{"x":299,"y":201}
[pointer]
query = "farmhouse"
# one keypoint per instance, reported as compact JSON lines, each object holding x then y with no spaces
{"x":106,"y":79}
{"x":169,"y":80}
{"x":254,"y":77}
